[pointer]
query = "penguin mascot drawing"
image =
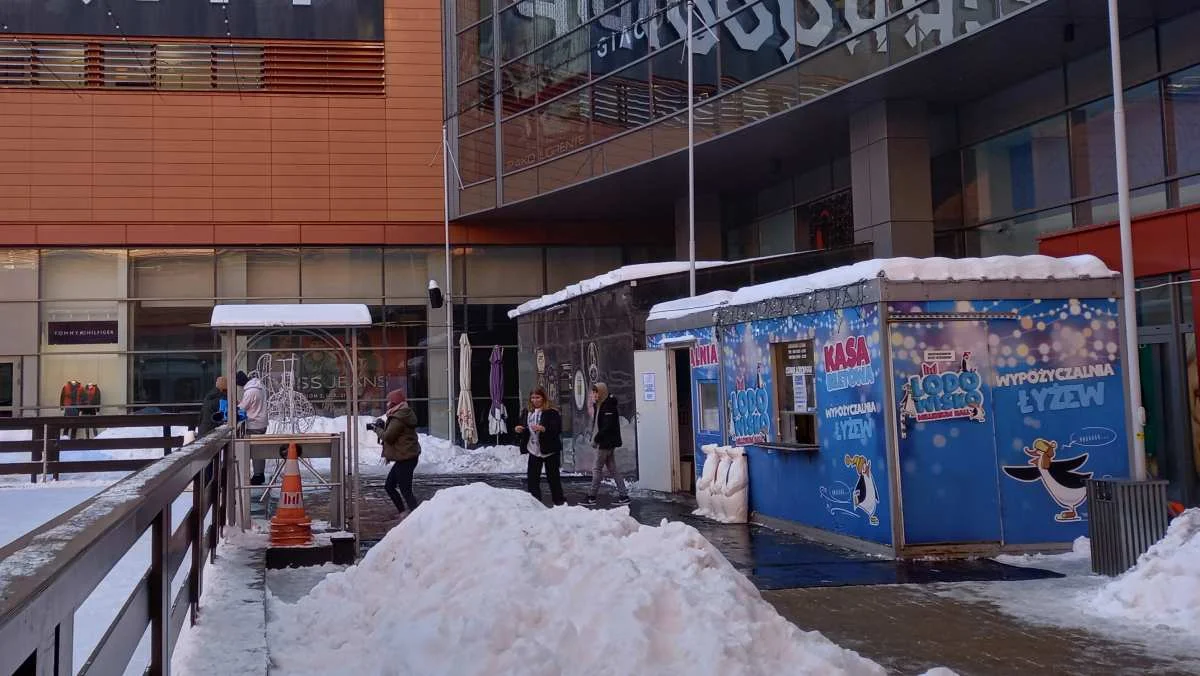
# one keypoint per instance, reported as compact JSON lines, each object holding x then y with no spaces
{"x":1066,"y":486}
{"x":865,"y":496}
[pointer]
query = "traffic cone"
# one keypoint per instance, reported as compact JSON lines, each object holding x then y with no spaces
{"x":291,"y":526}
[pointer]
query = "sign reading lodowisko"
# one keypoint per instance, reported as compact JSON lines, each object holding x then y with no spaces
{"x":82,"y":333}
{"x":249,"y":19}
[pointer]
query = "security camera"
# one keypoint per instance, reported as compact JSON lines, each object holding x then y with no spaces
{"x":435,"y":295}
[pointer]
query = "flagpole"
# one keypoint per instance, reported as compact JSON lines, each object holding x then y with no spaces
{"x":1132,"y":367}
{"x":449,"y":299}
{"x":691,"y":154}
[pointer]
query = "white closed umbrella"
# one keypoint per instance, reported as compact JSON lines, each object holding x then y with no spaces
{"x":466,"y":408}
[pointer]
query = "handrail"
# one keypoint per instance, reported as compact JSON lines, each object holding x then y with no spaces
{"x":48,"y":573}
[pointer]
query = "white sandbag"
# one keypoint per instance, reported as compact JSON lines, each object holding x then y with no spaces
{"x":737,"y":488}
{"x":704,"y":485}
{"x":718,"y":501}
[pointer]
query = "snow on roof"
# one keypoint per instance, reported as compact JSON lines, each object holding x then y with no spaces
{"x":612,"y":278}
{"x":295,"y":315}
{"x":682,"y":307}
{"x":900,"y":270}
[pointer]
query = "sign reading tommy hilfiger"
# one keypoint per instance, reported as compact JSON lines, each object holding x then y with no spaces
{"x":82,"y":333}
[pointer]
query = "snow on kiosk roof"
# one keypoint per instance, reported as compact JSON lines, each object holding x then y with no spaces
{"x":295,"y":315}
{"x":996,"y":268}
{"x":627,"y":273}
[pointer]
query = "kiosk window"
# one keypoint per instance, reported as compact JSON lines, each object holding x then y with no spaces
{"x":795,"y":392}
{"x":710,"y":407}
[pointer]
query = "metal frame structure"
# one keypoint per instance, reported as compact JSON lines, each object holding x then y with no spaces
{"x":230,"y":331}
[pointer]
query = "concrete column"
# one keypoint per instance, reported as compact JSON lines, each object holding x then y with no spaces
{"x":708,"y":228}
{"x":889,"y":165}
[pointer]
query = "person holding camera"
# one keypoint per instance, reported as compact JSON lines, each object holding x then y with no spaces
{"x":539,"y":432}
{"x":398,"y":434}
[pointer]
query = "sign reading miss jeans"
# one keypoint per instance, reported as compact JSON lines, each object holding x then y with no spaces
{"x":82,"y":333}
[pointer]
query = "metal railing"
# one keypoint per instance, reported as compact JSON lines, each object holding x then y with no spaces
{"x":47,"y":574}
{"x":46,"y":444}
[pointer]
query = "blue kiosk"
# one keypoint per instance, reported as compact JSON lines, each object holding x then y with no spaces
{"x":911,"y":406}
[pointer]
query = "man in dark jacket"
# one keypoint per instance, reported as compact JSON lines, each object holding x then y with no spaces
{"x":401,"y":445}
{"x":606,"y":438}
{"x":210,"y":407}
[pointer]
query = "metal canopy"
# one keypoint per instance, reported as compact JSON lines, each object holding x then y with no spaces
{"x":291,"y":315}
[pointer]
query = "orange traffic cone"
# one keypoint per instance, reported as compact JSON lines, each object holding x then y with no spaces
{"x":290,"y":525}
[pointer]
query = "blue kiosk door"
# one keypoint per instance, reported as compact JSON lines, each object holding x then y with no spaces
{"x":949,"y":477}
{"x":707,"y":421}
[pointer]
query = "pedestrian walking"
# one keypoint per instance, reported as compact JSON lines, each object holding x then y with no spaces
{"x":401,"y":446}
{"x":606,"y":438}
{"x":539,"y":432}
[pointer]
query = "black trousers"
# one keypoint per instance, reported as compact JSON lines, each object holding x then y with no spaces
{"x":553,"y":465}
{"x":399,"y":484}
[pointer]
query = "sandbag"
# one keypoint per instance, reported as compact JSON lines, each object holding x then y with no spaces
{"x":737,"y":488}
{"x":707,"y":474}
{"x":719,"y":503}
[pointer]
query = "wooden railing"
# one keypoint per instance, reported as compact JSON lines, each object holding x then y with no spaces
{"x":47,"y":445}
{"x":47,"y":574}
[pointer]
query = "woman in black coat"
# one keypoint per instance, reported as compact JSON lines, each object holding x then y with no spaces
{"x":539,"y":433}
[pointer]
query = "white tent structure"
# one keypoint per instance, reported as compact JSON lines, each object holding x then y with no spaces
{"x":254,"y":322}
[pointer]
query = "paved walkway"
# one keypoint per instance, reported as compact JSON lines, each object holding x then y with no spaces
{"x":909,"y":629}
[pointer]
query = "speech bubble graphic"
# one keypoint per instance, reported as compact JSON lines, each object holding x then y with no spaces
{"x":1092,"y":437}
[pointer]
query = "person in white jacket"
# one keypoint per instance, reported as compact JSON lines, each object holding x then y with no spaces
{"x":254,"y":404}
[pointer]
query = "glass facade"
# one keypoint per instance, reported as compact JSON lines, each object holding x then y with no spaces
{"x":134,"y":321}
{"x":551,"y":93}
{"x":1059,"y":171}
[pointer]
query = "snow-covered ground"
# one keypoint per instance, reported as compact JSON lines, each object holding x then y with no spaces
{"x":26,"y":506}
{"x":482,"y":580}
{"x":438,"y":456}
{"x":1156,"y":604}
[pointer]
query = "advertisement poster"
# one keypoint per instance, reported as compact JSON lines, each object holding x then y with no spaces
{"x":1053,"y":400}
{"x":841,"y":486}
{"x":947,"y":441}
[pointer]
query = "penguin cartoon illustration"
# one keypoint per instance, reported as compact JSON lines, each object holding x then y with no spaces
{"x":865,"y":496}
{"x":965,"y":365}
{"x":908,"y":409}
{"x":976,"y":413}
{"x":1066,"y":486}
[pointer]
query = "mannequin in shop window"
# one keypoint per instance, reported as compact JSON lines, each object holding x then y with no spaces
{"x":69,"y":399}
{"x":90,"y":405}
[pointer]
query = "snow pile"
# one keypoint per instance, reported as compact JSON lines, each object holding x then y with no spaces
{"x":628,"y":273}
{"x":484,"y":581}
{"x":1164,"y":587}
{"x":1078,"y":561}
{"x":438,"y":456}
{"x":930,"y":269}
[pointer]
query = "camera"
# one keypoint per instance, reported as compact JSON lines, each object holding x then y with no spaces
{"x":377,"y":426}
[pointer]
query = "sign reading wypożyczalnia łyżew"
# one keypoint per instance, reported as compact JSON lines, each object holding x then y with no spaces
{"x":248,"y":19}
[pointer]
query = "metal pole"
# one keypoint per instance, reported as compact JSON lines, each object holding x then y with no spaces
{"x":352,"y":435}
{"x":1132,"y":367}
{"x":691,"y":155}
{"x":449,"y":299}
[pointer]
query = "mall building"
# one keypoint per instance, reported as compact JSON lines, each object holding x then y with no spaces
{"x":157,"y":158}
{"x":925,"y":127}
{"x":161,"y":156}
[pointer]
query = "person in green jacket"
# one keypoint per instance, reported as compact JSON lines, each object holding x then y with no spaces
{"x":401,"y":446}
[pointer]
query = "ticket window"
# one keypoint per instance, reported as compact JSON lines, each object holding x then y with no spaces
{"x":795,"y":393}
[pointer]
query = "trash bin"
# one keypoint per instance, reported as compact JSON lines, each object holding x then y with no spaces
{"x":1125,"y":518}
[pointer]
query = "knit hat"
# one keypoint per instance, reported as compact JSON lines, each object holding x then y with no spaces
{"x":395,"y":398}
